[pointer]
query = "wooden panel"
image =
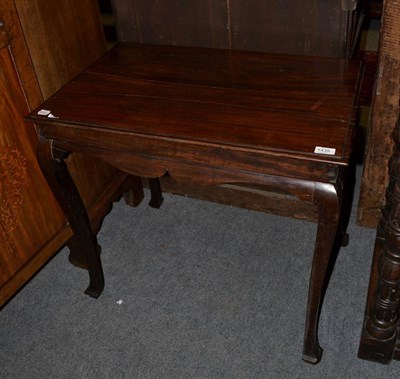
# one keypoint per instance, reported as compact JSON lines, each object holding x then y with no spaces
{"x":32,"y":227}
{"x":385,"y":111}
{"x":23,"y":64}
{"x":255,"y":198}
{"x":283,"y":26}
{"x":290,"y":27}
{"x":67,"y":33}
{"x":173,"y":22}
{"x":29,"y":215}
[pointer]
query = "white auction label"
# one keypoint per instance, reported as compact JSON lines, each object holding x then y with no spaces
{"x":324,"y":150}
{"x":44,"y":112}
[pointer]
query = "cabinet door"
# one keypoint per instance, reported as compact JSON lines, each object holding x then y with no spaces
{"x":30,"y":218}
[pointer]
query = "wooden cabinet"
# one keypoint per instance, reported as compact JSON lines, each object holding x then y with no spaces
{"x":43,"y":44}
{"x":30,"y":218}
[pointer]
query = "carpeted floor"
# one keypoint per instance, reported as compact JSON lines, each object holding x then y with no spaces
{"x":194,"y":290}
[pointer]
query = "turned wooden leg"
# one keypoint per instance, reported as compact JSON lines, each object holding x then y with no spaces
{"x":56,"y":172}
{"x":327,"y":199}
{"x":381,"y":325}
{"x":379,"y":336}
{"x":156,"y":193}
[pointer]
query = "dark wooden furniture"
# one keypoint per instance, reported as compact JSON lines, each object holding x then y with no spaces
{"x":380,"y":340}
{"x":207,"y":117}
{"x":43,"y":44}
{"x":384,"y":114}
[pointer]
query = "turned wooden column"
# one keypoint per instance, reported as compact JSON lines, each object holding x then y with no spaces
{"x":385,"y":312}
{"x":380,"y":340}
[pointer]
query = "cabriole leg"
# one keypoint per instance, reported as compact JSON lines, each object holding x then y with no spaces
{"x":328,"y":202}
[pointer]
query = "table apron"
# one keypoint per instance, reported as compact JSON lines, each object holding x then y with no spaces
{"x":136,"y":153}
{"x":148,"y":166}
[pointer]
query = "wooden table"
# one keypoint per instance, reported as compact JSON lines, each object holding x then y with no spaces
{"x":210,"y":117}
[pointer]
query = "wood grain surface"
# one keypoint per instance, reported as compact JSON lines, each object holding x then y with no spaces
{"x":266,"y":102}
{"x":319,"y":28}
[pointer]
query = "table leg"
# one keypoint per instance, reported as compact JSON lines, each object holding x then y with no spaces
{"x":56,"y":172}
{"x":77,"y":255}
{"x":133,"y":193}
{"x":156,"y":193}
{"x":132,"y":190}
{"x":328,"y":200}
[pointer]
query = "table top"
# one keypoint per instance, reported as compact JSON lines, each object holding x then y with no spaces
{"x":300,"y":106}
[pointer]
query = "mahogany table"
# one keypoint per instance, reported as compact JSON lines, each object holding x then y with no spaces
{"x":209,"y":117}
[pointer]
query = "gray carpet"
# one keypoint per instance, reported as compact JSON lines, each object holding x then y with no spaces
{"x":194,"y":290}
